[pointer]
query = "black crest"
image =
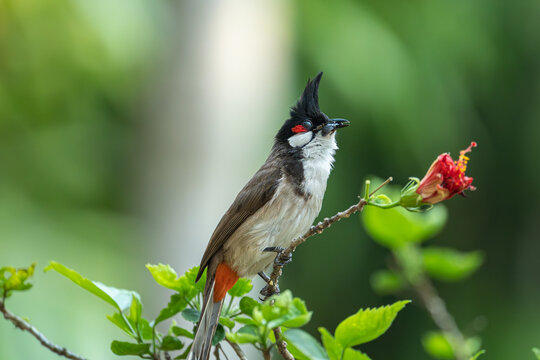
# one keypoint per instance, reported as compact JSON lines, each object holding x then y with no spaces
{"x":308,"y":105}
{"x":307,"y":108}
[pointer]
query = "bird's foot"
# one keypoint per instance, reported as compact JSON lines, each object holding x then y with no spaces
{"x":268,"y":291}
{"x":281,"y":259}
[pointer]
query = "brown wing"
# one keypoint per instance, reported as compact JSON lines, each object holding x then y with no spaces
{"x":257,"y":192}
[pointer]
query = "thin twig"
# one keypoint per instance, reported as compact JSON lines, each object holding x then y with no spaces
{"x":380,"y":186}
{"x":167,"y":355}
{"x":317,"y":229}
{"x":25,"y":326}
{"x":216,"y":351}
{"x":266,"y":354}
{"x":436,"y":307}
{"x":237,"y":349}
{"x":282,"y":345}
{"x":222,"y":351}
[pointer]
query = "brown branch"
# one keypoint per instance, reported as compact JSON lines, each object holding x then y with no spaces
{"x":282,"y":345}
{"x":436,"y":307}
{"x":25,"y":326}
{"x":272,"y":284}
{"x":266,"y":354}
{"x":237,"y":349}
{"x":317,"y":229}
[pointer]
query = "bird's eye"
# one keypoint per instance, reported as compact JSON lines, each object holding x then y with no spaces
{"x":307,"y":124}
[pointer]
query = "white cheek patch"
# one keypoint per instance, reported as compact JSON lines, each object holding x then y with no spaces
{"x":300,"y":139}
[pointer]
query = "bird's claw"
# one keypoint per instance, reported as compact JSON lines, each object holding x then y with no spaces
{"x":281,"y":259}
{"x":268,"y":291}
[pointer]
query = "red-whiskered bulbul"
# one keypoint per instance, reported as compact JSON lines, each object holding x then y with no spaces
{"x":277,"y":205}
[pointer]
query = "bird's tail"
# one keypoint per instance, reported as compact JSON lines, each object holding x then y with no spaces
{"x":215,"y":290}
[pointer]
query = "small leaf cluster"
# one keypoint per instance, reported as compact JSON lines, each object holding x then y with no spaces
{"x":291,"y":313}
{"x":13,"y":279}
{"x":243,"y":320}
{"x":146,"y":340}
{"x":403,"y":233}
{"x":259,"y":320}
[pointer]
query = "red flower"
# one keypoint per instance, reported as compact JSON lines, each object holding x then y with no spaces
{"x":446,"y":178}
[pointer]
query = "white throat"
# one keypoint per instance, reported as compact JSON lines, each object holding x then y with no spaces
{"x":318,"y":158}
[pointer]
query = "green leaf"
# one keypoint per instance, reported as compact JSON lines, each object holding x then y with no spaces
{"x":298,"y":314}
{"x":477,"y":355}
{"x":226,"y":322}
{"x":386,"y":282}
{"x":127,"y":348}
{"x":118,"y":320}
{"x":170,"y":343}
{"x":135,"y":310}
{"x":247,"y":305}
{"x":396,"y":227}
{"x":248,"y":334}
{"x":12,"y":279}
{"x":285,"y":311}
{"x":241,"y":288}
{"x":450,"y":265}
{"x":303,"y":346}
{"x":176,"y":304}
{"x":333,"y":348}
{"x":119,"y":298}
{"x":368,"y":324}
{"x":178,"y":331}
{"x":351,"y":354}
{"x":145,"y":329}
{"x":165,"y":276}
{"x":191,"y":275}
{"x":192,"y":315}
{"x":219,"y":335}
{"x":244,"y":320}
{"x":536,"y":352}
{"x":437,"y":346}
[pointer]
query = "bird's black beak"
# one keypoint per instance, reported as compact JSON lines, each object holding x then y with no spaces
{"x":334,"y":124}
{"x":339,"y":123}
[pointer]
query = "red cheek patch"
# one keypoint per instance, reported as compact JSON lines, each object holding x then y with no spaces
{"x":298,"y":129}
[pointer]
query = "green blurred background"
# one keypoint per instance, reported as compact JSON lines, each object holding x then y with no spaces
{"x":128,"y":126}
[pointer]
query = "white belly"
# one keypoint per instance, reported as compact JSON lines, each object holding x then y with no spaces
{"x":285,"y":217}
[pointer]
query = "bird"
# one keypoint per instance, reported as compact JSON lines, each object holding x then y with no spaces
{"x":278,"y":204}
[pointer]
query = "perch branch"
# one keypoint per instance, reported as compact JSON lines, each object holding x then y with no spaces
{"x":282,"y":345}
{"x":317,"y":229}
{"x":25,"y":326}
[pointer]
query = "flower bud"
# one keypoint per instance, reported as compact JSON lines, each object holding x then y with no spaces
{"x":445,"y":178}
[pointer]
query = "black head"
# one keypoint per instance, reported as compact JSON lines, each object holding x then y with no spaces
{"x":307,"y":117}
